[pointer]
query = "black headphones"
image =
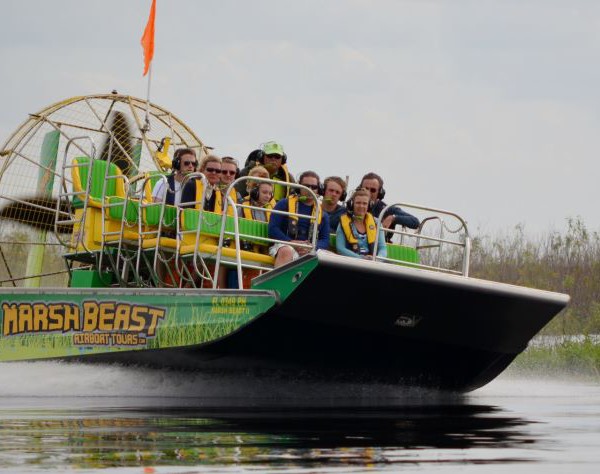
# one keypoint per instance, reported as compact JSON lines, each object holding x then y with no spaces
{"x":320,"y":191}
{"x":255,"y":191}
{"x":344,"y":194}
{"x":176,"y":163}
{"x":260,"y":154}
{"x":176,"y":159}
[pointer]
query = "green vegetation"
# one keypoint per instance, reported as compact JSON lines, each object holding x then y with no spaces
{"x":575,"y":357}
{"x":567,"y":263}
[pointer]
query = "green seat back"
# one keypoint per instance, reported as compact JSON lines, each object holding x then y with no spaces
{"x":114,"y":187}
{"x":211,"y":225}
{"x":152,"y":215}
{"x":115,"y":209}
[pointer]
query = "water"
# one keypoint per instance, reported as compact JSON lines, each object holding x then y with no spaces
{"x":56,"y":417}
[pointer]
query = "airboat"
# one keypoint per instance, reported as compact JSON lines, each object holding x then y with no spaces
{"x":93,"y":270}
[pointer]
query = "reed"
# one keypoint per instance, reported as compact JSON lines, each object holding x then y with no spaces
{"x":573,"y":357}
{"x":566,"y":262}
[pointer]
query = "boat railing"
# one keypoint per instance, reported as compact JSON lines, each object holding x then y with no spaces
{"x":67,"y":194}
{"x":438,"y":240}
{"x":237,"y":236}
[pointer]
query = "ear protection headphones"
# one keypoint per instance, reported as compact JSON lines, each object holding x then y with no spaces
{"x":254,"y":193}
{"x":176,"y":159}
{"x":344,"y":194}
{"x":320,"y":191}
{"x":260,"y":154}
{"x":176,"y":163}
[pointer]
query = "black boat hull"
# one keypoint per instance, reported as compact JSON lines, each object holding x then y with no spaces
{"x":367,"y":321}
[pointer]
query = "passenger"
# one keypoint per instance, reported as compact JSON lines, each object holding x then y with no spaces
{"x":210,"y":166}
{"x":373,"y":183}
{"x":229,"y":173}
{"x":297,"y":231}
{"x":258,"y":171}
{"x":184,"y":162}
{"x":274,"y":159}
{"x":357,"y":231}
{"x":334,"y":192}
{"x":261,"y":195}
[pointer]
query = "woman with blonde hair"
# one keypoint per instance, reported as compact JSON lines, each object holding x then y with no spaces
{"x":357,"y":231}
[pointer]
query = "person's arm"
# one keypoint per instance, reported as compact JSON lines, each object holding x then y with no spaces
{"x":405,"y":219}
{"x":158,"y":193}
{"x":381,"y":245}
{"x":277,"y":222}
{"x":340,"y":243}
{"x":323,"y":238}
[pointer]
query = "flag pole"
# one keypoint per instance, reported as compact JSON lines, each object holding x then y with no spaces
{"x":147,"y":42}
{"x":147,"y":118}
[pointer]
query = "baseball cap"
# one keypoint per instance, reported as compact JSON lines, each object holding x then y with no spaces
{"x":273,"y":148}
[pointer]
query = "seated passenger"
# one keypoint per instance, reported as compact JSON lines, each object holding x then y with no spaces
{"x":334,"y":192}
{"x":357,"y":231}
{"x":260,"y":195}
{"x":184,"y":162}
{"x":210,"y":166}
{"x":297,"y":231}
{"x":274,"y":159}
{"x":258,"y":171}
{"x":229,"y":173}
{"x":373,"y":183}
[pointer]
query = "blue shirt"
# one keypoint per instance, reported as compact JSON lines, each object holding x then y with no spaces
{"x":278,"y":224}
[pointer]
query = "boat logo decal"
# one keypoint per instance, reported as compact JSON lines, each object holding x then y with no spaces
{"x":105,"y":323}
{"x":406,"y":320}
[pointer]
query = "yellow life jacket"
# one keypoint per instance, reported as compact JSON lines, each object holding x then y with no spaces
{"x":218,"y":198}
{"x":279,"y":191}
{"x":293,"y":220}
{"x":351,"y":240}
{"x":250,"y":214}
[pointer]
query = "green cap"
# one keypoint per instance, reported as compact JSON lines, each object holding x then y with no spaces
{"x":273,"y":148}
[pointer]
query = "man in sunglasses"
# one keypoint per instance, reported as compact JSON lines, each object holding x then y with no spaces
{"x":296,"y":233}
{"x":394,"y":216}
{"x":184,"y":162}
{"x":229,"y":172}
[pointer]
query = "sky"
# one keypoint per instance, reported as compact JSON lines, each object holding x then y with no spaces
{"x":489,"y":109}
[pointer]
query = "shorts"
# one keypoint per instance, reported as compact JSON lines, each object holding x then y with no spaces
{"x":275,"y":248}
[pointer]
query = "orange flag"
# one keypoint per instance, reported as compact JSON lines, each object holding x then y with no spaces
{"x":148,"y":38}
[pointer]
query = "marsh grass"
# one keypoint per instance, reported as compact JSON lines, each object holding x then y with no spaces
{"x":573,"y":357}
{"x":565,"y":262}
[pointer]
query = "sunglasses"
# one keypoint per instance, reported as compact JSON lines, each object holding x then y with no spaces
{"x":373,"y":190}
{"x":314,"y":187}
{"x":188,"y":163}
{"x":274,"y":157}
{"x":212,"y":170}
{"x":228,"y":172}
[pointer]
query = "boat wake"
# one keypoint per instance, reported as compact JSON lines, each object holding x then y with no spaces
{"x":117,"y":385}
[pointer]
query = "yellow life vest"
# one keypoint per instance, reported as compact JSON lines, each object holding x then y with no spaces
{"x":279,"y":191}
{"x":218,"y":198}
{"x":249,"y":213}
{"x":293,"y":220}
{"x":351,"y":240}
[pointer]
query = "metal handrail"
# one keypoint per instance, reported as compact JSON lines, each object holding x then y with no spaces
{"x":66,"y":193}
{"x":463,"y":226}
{"x":228,"y":201}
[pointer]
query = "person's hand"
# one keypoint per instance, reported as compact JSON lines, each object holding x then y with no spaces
{"x":299,"y":248}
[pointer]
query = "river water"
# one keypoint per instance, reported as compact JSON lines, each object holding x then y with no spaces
{"x":61,"y":417}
